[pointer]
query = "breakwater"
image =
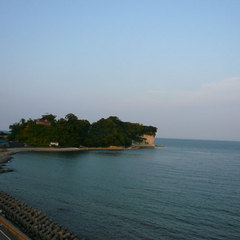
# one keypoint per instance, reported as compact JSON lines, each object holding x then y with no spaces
{"x":31,"y":221}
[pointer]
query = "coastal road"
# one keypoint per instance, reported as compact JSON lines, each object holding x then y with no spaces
{"x":4,"y":235}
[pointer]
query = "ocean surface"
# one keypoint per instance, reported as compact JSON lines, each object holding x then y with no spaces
{"x":189,"y":189}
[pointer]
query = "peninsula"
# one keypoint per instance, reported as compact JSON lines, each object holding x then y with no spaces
{"x":73,"y":132}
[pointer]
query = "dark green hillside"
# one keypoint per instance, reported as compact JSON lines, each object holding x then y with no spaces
{"x":73,"y":132}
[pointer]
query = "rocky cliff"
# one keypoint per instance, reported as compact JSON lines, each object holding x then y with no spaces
{"x":148,"y":141}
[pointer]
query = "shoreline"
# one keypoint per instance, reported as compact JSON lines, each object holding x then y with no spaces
{"x":10,"y":151}
{"x":4,"y":157}
{"x":5,"y":154}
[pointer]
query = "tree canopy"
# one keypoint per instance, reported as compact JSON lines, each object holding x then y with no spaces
{"x":73,"y":132}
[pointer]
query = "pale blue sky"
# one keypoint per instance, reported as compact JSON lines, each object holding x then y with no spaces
{"x":172,"y":64}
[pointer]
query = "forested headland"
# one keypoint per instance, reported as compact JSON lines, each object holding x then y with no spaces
{"x":73,"y":132}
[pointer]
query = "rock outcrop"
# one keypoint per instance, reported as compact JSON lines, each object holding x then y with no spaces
{"x":148,"y":141}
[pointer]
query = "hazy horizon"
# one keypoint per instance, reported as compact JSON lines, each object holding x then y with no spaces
{"x":170,"y":64}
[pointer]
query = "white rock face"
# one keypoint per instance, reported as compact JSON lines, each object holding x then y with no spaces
{"x":149,"y":141}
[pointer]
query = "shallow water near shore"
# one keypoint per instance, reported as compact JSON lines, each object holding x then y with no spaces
{"x":187,"y":190}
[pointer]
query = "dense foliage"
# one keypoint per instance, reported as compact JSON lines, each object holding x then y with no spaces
{"x":73,"y":132}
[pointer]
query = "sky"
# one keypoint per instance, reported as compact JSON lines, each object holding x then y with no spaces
{"x":171,"y":64}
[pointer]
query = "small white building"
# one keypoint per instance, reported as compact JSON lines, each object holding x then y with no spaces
{"x":53,"y":144}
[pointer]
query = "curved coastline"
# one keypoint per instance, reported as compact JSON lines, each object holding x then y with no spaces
{"x":43,"y":226}
{"x":5,"y":155}
{"x":10,"y":151}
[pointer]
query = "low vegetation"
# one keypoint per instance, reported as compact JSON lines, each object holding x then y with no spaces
{"x":73,"y":132}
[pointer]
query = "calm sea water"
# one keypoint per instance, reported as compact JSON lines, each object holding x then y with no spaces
{"x":188,"y":190}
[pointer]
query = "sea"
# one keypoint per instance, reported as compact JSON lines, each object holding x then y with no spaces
{"x":189,"y":189}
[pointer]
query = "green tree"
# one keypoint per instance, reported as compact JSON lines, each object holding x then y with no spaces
{"x":70,"y":131}
{"x":49,"y":117}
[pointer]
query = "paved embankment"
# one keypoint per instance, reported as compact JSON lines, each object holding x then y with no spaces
{"x":67,"y":149}
{"x":32,"y":222}
{"x":41,"y":149}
